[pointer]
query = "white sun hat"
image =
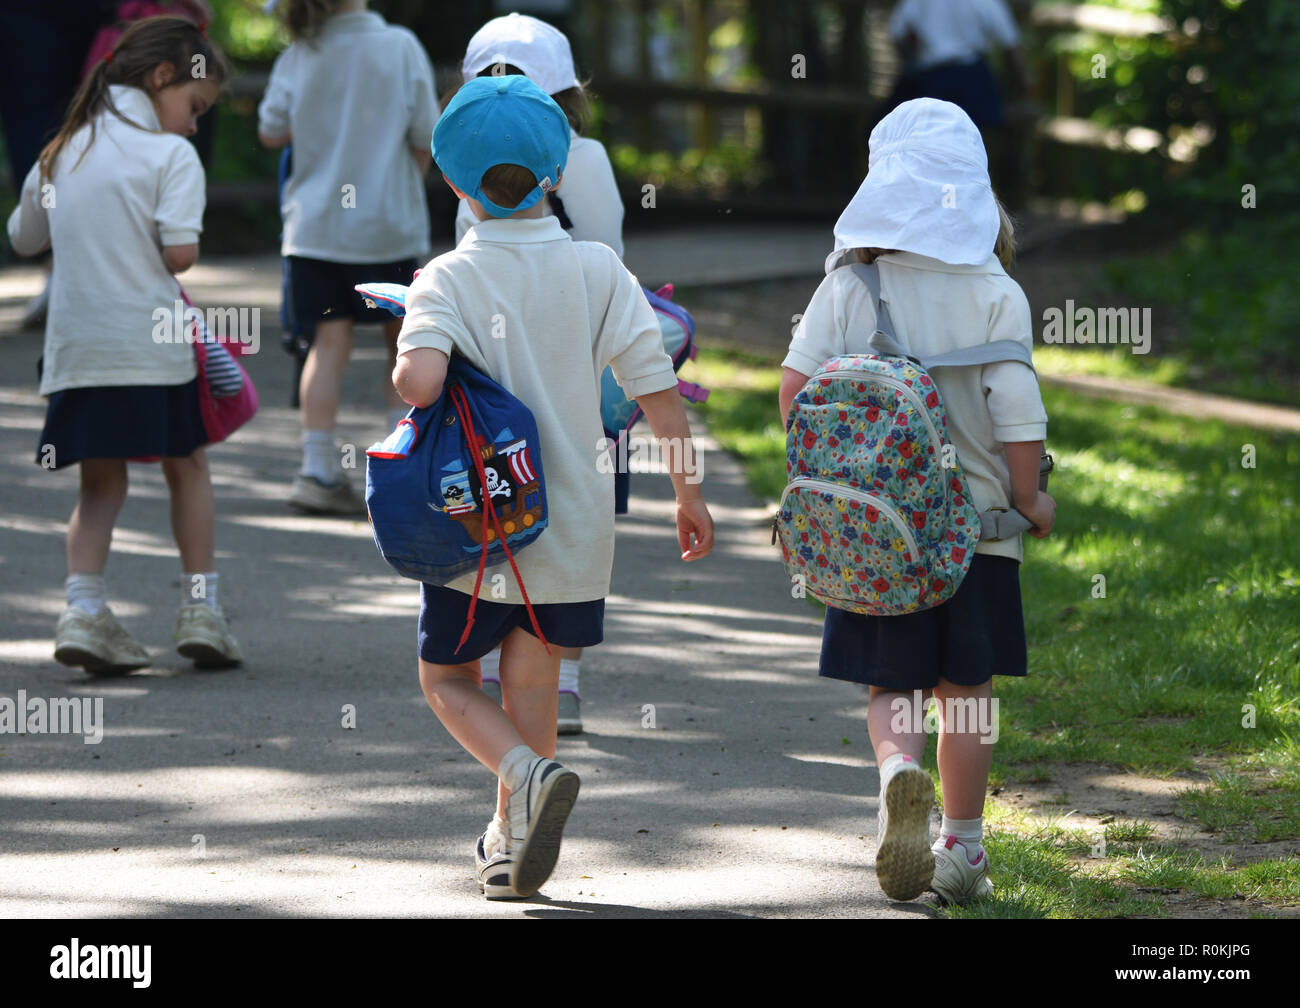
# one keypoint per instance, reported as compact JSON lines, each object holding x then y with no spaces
{"x":540,"y":50}
{"x":927,"y":189}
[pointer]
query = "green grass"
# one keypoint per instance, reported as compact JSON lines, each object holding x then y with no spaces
{"x":1191,"y":651}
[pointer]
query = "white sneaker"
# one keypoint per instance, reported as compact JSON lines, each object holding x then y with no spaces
{"x":538,"y":812}
{"x":312,"y":496}
{"x":203,"y":637}
{"x":956,"y":880}
{"x":904,"y":863}
{"x":569,"y":720}
{"x":493,"y":864}
{"x":97,"y":643}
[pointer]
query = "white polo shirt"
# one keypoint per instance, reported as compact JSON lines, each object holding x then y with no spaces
{"x":356,"y":102}
{"x":954,"y":31}
{"x":936,"y":308}
{"x":589,"y":192}
{"x":108,"y":215}
{"x":544,"y":315}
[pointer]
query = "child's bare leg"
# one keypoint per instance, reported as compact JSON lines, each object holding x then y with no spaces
{"x":392,"y":400}
{"x":322,"y":374}
{"x":885,"y":718}
{"x":530,"y":694}
{"x":964,"y":756}
{"x":454,"y":693}
{"x":190,"y":484}
{"x":90,"y":529}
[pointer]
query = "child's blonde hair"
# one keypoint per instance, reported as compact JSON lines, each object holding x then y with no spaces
{"x":144,"y":46}
{"x":306,"y":18}
{"x":1004,"y":247}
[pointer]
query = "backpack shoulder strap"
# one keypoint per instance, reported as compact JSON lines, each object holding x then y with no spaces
{"x":984,"y":353}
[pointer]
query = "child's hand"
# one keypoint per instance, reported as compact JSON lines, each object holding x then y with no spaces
{"x":1042,"y":513}
{"x":693,"y":519}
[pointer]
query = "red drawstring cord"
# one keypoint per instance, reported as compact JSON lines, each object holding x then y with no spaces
{"x":489,"y":510}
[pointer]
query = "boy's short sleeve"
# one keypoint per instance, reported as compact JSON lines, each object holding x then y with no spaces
{"x":819,"y":334}
{"x":1011,"y":389}
{"x":182,"y":197}
{"x":273,"y":112}
{"x":431,"y":321}
{"x":630,"y":334}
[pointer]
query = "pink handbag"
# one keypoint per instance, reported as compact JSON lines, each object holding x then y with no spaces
{"x":222,"y":417}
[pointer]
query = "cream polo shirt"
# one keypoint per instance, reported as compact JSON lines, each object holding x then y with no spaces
{"x":589,"y":192}
{"x":936,"y":308}
{"x":544,"y":315}
{"x":108,"y":218}
{"x":356,"y":101}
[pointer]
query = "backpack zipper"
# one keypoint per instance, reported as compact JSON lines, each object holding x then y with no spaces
{"x":859,"y":495}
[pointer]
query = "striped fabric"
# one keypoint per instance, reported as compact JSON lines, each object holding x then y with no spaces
{"x":219,"y":369}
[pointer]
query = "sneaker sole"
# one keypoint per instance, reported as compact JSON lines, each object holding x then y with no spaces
{"x":77,"y":655}
{"x":497,"y":891}
{"x":904,"y":862}
{"x":536,"y":856}
{"x":205,"y":655}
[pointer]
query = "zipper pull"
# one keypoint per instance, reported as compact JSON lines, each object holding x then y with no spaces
{"x":775,"y":518}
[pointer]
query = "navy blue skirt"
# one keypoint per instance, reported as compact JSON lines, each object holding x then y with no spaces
{"x":121,"y":422}
{"x":444,"y":611}
{"x":975,"y":635}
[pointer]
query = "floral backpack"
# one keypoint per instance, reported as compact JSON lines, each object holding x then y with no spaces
{"x":876,"y":517}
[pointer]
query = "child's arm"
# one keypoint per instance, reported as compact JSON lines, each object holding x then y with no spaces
{"x":179,"y":258}
{"x":667,"y":418}
{"x":274,"y":142}
{"x":419,"y":376}
{"x":29,"y":224}
{"x":1022,"y":461}
{"x":792,"y":382}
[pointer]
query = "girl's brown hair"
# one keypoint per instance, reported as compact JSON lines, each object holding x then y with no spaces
{"x":306,"y":18}
{"x":143,"y":47}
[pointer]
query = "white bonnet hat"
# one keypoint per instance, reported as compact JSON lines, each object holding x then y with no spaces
{"x":540,"y":50}
{"x":927,"y":189}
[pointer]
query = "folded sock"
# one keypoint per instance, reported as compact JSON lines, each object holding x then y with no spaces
{"x":513,"y":770}
{"x":497,"y":836}
{"x":199,"y":587}
{"x":85,"y":591}
{"x":319,"y":457}
{"x":967,"y":832}
{"x":569,"y":675}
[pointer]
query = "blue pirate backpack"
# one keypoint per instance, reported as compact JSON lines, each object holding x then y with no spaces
{"x":458,"y":485}
{"x":877,"y":517}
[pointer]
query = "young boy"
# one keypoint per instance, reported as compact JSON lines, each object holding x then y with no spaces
{"x":543,"y":315}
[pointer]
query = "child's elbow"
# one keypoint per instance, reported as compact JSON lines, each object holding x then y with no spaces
{"x":416,"y":386}
{"x":273,"y":142}
{"x":179,"y":258}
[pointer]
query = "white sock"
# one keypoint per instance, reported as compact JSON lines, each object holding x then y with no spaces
{"x":497,"y":836}
{"x":319,"y":456}
{"x":490,"y":666}
{"x":569,"y":675}
{"x":514,"y":767}
{"x":85,"y":591}
{"x":396,"y":416}
{"x":968,"y":832}
{"x":199,"y":587}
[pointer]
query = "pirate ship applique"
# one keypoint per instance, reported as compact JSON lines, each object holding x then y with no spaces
{"x":512,"y":488}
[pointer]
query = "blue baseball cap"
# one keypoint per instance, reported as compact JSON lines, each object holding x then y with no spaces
{"x":501,"y":120}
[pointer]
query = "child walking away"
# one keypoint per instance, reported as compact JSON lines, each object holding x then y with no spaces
{"x":543,"y":315}
{"x":927,"y":218}
{"x":354,"y":96}
{"x":119,"y":195}
{"x":587,"y":205}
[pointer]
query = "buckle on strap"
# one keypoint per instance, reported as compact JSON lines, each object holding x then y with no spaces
{"x":1002,"y":523}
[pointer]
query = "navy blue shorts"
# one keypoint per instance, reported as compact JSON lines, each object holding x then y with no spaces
{"x":442,"y":620}
{"x":121,"y":422}
{"x":322,"y":291}
{"x":975,"y":635}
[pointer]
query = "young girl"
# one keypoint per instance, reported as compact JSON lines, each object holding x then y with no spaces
{"x":927,"y":214}
{"x":354,"y":96}
{"x":119,"y":195}
{"x":587,"y":204}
